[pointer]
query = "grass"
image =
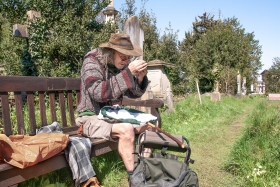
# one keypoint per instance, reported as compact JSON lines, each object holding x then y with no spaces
{"x":228,"y":139}
{"x":255,"y":157}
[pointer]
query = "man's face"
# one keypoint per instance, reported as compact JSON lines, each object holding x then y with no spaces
{"x":120,"y":60}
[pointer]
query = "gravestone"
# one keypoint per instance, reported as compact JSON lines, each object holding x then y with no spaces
{"x":21,"y":30}
{"x":134,"y":29}
{"x":244,"y":89}
{"x":238,"y":85}
{"x":216,"y":95}
{"x":160,"y":84}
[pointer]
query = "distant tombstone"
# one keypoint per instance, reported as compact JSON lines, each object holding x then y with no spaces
{"x":21,"y":30}
{"x":238,"y":84}
{"x":244,"y":89}
{"x":160,"y":84}
{"x":216,"y":95}
{"x":134,"y":29}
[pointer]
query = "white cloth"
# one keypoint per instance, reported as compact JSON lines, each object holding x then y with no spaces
{"x":116,"y":113}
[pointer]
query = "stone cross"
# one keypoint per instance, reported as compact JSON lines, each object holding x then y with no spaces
{"x":134,"y":29}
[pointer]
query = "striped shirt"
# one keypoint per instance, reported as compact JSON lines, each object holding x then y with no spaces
{"x":103,"y":84}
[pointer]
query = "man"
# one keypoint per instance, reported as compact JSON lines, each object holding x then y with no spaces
{"x":109,"y":73}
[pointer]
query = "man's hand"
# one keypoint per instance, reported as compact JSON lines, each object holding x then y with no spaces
{"x":138,"y":68}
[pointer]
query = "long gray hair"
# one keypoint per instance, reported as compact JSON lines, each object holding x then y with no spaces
{"x":106,"y":55}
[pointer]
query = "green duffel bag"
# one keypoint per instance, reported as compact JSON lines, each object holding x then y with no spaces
{"x":163,"y":172}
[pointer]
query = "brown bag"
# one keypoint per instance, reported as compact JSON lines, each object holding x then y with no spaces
{"x":23,"y":151}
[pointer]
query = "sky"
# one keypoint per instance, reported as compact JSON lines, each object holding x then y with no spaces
{"x":258,"y":16}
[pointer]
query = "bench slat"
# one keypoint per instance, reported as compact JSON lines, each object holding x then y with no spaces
{"x":52,"y":106}
{"x":42,"y":108}
{"x":62,"y":109}
{"x":31,"y":112}
{"x":19,"y":112}
{"x":6,"y":116}
{"x":71,"y":107}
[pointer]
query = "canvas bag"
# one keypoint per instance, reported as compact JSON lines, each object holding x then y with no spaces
{"x":162,"y":172}
{"x":163,"y":169}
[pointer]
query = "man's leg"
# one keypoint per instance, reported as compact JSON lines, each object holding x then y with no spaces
{"x":125,"y":133}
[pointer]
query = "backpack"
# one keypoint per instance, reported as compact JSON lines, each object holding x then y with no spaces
{"x":162,"y":169}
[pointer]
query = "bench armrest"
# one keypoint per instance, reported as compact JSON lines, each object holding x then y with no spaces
{"x":154,"y":103}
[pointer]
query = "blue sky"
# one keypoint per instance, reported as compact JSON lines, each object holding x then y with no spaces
{"x":258,"y":16}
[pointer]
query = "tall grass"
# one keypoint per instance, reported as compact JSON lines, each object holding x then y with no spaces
{"x":255,"y":158}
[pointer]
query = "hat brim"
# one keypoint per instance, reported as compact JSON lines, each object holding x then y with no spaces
{"x":137,"y":51}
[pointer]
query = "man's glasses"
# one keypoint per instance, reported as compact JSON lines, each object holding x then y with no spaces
{"x":123,"y":58}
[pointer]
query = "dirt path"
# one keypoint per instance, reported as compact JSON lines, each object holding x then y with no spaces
{"x":212,"y":150}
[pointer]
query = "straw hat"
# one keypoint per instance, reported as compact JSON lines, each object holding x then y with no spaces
{"x":121,"y":43}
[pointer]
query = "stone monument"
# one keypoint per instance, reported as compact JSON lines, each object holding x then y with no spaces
{"x":134,"y":29}
{"x":216,"y":95}
{"x":244,"y":89}
{"x":110,"y":12}
{"x":238,"y":84}
{"x":160,"y":84}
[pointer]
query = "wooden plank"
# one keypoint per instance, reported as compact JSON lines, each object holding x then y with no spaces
{"x":42,"y":106}
{"x":52,"y":106}
{"x":62,"y":109}
{"x":156,"y":103}
{"x":6,"y":113}
{"x":19,"y":112}
{"x":16,"y":175}
{"x":101,"y":146}
{"x":22,"y":84}
{"x":77,"y":97}
{"x":71,"y":107}
{"x":31,"y":112}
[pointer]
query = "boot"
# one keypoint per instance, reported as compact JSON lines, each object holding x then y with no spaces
{"x":92,"y":182}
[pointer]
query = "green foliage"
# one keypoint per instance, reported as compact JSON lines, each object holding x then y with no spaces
{"x":29,"y":68}
{"x":61,"y":37}
{"x":58,"y":178}
{"x":255,"y":156}
{"x":272,"y":77}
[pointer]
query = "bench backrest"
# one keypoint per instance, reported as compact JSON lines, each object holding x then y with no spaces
{"x":59,"y":95}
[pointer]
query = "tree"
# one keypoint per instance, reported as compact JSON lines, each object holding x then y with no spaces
{"x":272,"y":80}
{"x":127,"y":10}
{"x":64,"y":33}
{"x":224,"y":44}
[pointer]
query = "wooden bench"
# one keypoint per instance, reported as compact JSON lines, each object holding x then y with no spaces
{"x":35,"y":95}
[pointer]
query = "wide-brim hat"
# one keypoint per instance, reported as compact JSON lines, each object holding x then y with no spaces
{"x":121,"y":42}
